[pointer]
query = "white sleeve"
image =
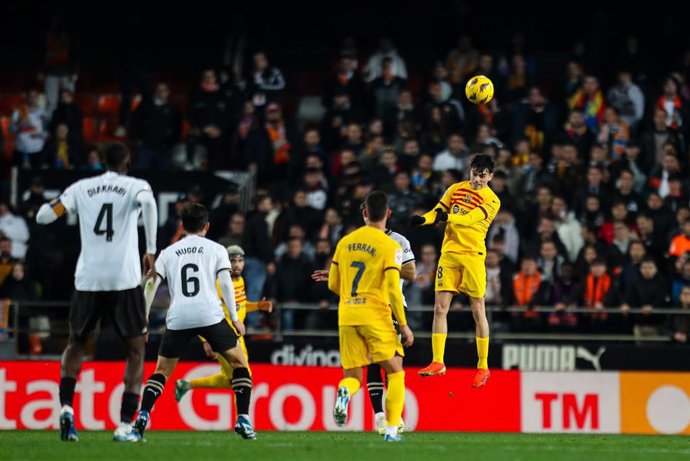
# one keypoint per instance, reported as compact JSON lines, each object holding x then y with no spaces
{"x":68,"y":198}
{"x":228,"y":293}
{"x":150,"y":289}
{"x":56,"y":208}
{"x":408,"y":255}
{"x":222,"y":260}
{"x":159,"y":267}
{"x":149,"y":213}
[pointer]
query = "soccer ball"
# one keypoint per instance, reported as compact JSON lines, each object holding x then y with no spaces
{"x":479,"y":89}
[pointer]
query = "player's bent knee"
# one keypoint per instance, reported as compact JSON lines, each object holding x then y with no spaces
{"x":441,"y":309}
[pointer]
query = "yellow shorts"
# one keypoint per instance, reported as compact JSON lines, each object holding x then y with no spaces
{"x":363,"y":344}
{"x":462,"y":272}
{"x":225,"y":366}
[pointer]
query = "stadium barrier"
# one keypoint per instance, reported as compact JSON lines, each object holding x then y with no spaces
{"x":301,"y":398}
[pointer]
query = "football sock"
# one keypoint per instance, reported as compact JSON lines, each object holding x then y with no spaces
{"x":153,"y":389}
{"x":217,"y":381}
{"x":242,"y":386}
{"x":130,"y":403}
{"x":67,"y":386}
{"x":352,"y":385}
{"x":438,"y":346}
{"x":482,"y":352}
{"x":395,"y":398}
{"x":375,"y":387}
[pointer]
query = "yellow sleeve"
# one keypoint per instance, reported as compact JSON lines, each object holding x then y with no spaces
{"x":334,"y":272}
{"x":486,"y":210}
{"x":444,"y":203}
{"x":251,"y":306}
{"x":395,"y":295}
{"x":202,"y":339}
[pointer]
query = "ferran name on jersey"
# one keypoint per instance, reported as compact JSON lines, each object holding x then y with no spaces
{"x":362,"y":247}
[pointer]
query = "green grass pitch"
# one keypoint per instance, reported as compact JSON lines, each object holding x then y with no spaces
{"x":327,"y":446}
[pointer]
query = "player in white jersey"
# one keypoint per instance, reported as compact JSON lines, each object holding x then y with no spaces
{"x":191,"y":267}
{"x":408,"y":273}
{"x":107,"y":276}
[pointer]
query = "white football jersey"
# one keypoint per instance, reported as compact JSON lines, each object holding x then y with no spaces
{"x":108,"y":213}
{"x":191,"y":266}
{"x":408,"y":255}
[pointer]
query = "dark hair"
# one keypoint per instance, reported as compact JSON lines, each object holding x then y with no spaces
{"x":598,"y":261}
{"x":648,"y":259}
{"x":482,"y":162}
{"x":115,"y":156}
{"x":377,"y":205}
{"x":194,"y":217}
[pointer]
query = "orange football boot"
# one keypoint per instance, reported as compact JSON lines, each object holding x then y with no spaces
{"x":481,"y":377}
{"x":435,"y":368}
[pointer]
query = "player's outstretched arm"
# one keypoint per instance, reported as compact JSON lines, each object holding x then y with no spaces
{"x":320,"y":275}
{"x":263,"y":305}
{"x":50,"y":212}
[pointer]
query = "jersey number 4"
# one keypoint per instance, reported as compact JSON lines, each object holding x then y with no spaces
{"x":104,"y":222}
{"x":358,"y":276}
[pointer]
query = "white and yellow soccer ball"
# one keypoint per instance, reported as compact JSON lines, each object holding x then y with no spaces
{"x":479,"y":89}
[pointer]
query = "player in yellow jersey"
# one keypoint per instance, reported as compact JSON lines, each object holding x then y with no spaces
{"x":365,"y":274}
{"x":468,"y":207}
{"x":224,"y":378}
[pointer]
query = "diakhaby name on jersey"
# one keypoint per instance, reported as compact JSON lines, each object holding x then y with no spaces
{"x":106,"y":188}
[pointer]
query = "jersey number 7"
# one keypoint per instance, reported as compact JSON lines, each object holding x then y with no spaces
{"x":358,"y":276}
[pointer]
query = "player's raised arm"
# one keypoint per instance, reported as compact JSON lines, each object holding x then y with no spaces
{"x":485,"y":211}
{"x":431,"y":217}
{"x":149,"y":213}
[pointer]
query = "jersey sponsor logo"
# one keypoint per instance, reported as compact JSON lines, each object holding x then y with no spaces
{"x":398,"y":256}
{"x":456,"y":209}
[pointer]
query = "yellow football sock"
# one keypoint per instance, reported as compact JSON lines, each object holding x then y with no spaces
{"x":482,"y":352}
{"x":218,"y":381}
{"x":395,"y":398}
{"x":352,"y":385}
{"x":438,"y":346}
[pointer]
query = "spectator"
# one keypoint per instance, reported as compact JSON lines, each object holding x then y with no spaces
{"x":593,"y":214}
{"x":234,"y":231}
{"x":28,"y":122}
{"x":646,"y":294}
{"x":462,"y":60}
{"x":337,"y":120}
{"x":564,"y":293}
{"x":274,"y":150}
{"x":599,"y":292}
{"x":529,"y":292}
{"x":155,"y":127}
{"x":248,"y":122}
{"x":220,"y":215}
{"x":296,"y":231}
{"x":594,"y":187}
{"x":565,"y":169}
{"x":59,"y":69}
{"x":536,"y":119}
{"x":614,"y":133}
{"x":386,"y":170}
{"x":374,"y":67}
{"x":572,"y":85}
{"x":677,"y":198}
{"x":672,"y":103}
{"x":293,"y":281}
{"x":423,"y":177}
{"x":568,"y":227}
{"x":402,"y":200}
{"x":302,"y":213}
{"x":549,"y":262}
{"x":257,"y":246}
{"x":407,"y":110}
{"x":663,"y":217}
{"x":354,"y":139}
{"x":679,"y":325}
{"x":410,"y":154}
{"x":14,"y":227}
{"x":681,"y":242}
{"x":454,"y":157}
{"x":345,"y":81}
{"x":540,"y":208}
{"x":266,"y":81}
{"x":575,"y":131}
{"x":499,"y":184}
{"x":661,"y":174}
{"x":17,"y":286}
{"x":652,"y":141}
{"x":627,"y":98}
{"x":519,"y":80}
{"x":618,"y":249}
{"x":452,"y":113}
{"x":631,"y":267}
{"x":61,"y":151}
{"x":94,"y":159}
{"x":422,"y":290}
{"x":681,"y":279}
{"x":312,"y":145}
{"x":384,"y":91}
{"x":209,"y":120}
{"x":619,"y":214}
{"x":591,"y":100}
{"x":647,"y":233}
{"x":69,"y":113}
{"x":7,"y":261}
{"x":498,"y":281}
{"x":35,"y":199}
{"x":626,"y":193}
{"x":316,"y":191}
{"x":332,"y":228}
{"x":504,"y":226}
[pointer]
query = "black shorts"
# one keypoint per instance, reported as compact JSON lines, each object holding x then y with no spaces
{"x":220,"y":337}
{"x":126,"y":309}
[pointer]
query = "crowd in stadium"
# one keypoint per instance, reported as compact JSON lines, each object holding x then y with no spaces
{"x":591,"y":171}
